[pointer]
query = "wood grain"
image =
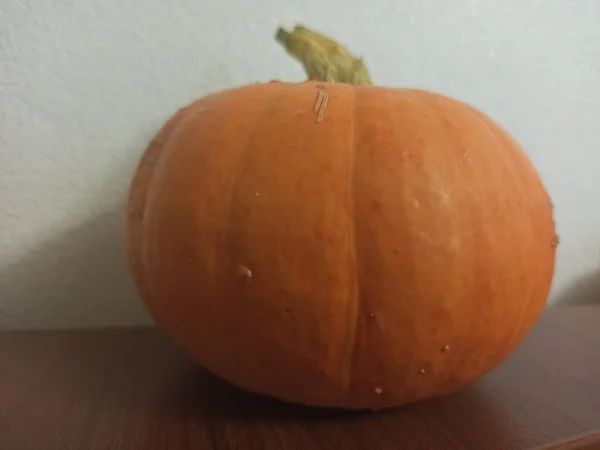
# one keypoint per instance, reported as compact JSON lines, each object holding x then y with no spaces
{"x":585,"y":441}
{"x":132,"y":389}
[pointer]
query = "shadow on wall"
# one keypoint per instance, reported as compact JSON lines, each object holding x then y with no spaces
{"x":582,"y":291}
{"x":79,"y":279}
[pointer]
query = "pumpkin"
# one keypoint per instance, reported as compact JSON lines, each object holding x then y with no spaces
{"x":340,"y":244}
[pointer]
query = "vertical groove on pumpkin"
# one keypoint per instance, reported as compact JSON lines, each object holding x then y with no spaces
{"x":354,"y":320}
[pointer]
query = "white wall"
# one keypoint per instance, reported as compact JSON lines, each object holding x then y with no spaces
{"x":84,"y":84}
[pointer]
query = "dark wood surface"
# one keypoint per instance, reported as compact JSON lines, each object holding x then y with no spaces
{"x":132,"y":389}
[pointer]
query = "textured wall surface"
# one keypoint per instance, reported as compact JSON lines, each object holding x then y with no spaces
{"x":84,"y":84}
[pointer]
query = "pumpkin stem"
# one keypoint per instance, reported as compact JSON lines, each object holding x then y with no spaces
{"x":322,"y":58}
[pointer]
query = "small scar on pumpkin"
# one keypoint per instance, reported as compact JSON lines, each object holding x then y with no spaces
{"x":319,"y":100}
{"x":421,"y":372}
{"x":446,"y":348}
{"x":378,"y":390}
{"x":322,"y":109}
{"x":555,"y":242}
{"x":244,"y":272}
{"x":321,"y":104}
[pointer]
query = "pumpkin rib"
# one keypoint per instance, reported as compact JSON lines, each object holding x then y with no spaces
{"x":509,"y":156}
{"x":506,"y":151}
{"x":445,"y":126}
{"x":354,"y":321}
{"x":137,"y":201}
{"x":226,"y":246}
{"x":440,"y":137}
{"x":486,"y":254}
{"x":512,"y":156}
{"x":272,"y":295}
{"x":242,"y":155}
{"x":483,"y":255}
{"x":168,"y":141}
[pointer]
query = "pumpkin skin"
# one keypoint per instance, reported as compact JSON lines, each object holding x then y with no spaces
{"x":397,"y":250}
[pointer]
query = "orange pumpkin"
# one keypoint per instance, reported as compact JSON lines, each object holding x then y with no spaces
{"x":340,"y":245}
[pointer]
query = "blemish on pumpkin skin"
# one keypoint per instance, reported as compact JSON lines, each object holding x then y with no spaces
{"x":416,"y":159}
{"x":454,"y":245}
{"x":322,"y":109}
{"x":446,"y":348}
{"x":555,"y":242}
{"x":321,"y":103}
{"x":426,"y":237}
{"x":375,"y":205}
{"x":244,"y":272}
{"x":444,"y":197}
{"x":421,"y":372}
{"x":378,"y":390}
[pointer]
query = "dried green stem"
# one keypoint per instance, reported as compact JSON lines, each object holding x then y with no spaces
{"x":322,"y":58}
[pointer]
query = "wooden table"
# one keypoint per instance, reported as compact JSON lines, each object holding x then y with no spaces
{"x":132,"y":389}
